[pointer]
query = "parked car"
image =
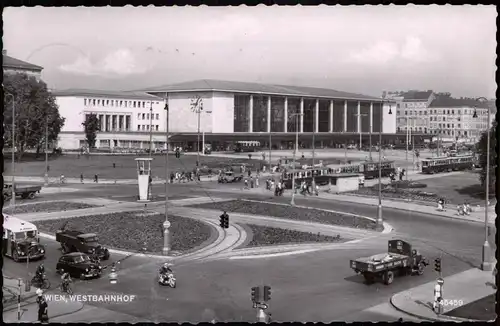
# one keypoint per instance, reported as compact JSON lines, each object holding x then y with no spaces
{"x":78,"y":265}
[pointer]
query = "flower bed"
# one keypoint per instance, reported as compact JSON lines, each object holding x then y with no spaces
{"x":47,"y":207}
{"x":131,"y":230}
{"x":397,"y":193}
{"x":265,"y":236}
{"x":290,"y":212}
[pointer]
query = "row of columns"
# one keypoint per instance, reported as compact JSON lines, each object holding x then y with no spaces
{"x":122,"y":122}
{"x":316,"y":115}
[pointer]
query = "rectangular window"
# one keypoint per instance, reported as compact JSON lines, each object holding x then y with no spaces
{"x":452,"y":111}
{"x":143,"y":104}
{"x":134,"y":104}
{"x":107,"y":102}
{"x":125,"y":103}
{"x":406,"y":112}
{"x":147,"y":116}
{"x":157,"y":116}
{"x":98,"y":102}
{"x":138,"y":116}
{"x":156,"y":127}
{"x":93,"y":102}
{"x":84,"y":101}
{"x":143,"y":116}
{"x":148,"y":127}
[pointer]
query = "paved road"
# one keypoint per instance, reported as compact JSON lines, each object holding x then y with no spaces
{"x":318,"y":286}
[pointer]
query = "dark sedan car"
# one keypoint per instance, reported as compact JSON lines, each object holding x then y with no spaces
{"x":78,"y":265}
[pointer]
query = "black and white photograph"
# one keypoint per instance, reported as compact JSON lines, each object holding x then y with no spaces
{"x":249,"y":164}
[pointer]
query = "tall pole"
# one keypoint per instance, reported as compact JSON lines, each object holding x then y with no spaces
{"x":294,"y":155}
{"x":13,"y":198}
{"x":47,"y":151}
{"x":198,"y":139}
{"x":380,"y":221}
{"x":407,"y":138}
{"x":270,"y":151}
{"x":371,"y":139}
{"x":151,"y":129}
{"x":486,"y":264}
{"x":166,"y":223}
{"x":313,"y":160}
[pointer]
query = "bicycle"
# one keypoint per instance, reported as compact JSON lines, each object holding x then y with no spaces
{"x":66,"y":288}
{"x":43,"y":284}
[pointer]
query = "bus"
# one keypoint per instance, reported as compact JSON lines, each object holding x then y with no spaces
{"x":448,"y":164}
{"x":21,"y":239}
{"x":247,"y":146}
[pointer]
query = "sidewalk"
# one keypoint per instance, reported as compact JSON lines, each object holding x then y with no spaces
{"x":29,"y":311}
{"x":11,"y":292}
{"x":466,"y":287}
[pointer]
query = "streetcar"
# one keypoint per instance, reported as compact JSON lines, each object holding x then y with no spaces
{"x":448,"y":164}
{"x":369,"y":169}
{"x":321,"y":176}
{"x":247,"y":146}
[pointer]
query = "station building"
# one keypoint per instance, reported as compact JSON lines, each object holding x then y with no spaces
{"x":229,"y":111}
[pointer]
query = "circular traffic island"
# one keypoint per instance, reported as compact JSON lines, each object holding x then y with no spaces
{"x":135,"y":230}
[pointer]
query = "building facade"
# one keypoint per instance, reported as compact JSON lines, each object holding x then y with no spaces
{"x":236,"y":107}
{"x":12,"y":66}
{"x":453,"y":119}
{"x":412,"y":111}
{"x":127,"y":119}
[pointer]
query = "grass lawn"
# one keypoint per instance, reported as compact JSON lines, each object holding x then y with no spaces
{"x":134,"y":231}
{"x":71,"y":166}
{"x":483,"y":309}
{"x":289,"y":212}
{"x":47,"y":207}
{"x":265,"y":236}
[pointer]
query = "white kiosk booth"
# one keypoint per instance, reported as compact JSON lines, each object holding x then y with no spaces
{"x":144,"y":178}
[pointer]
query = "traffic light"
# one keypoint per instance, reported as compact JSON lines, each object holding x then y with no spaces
{"x":267,"y":293}
{"x":437,"y":265}
{"x":224,"y":221}
{"x":177,"y":153}
{"x":255,"y":294}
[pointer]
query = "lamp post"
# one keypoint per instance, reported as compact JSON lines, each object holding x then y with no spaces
{"x":486,"y":264}
{"x":380,"y":221}
{"x":13,"y":198}
{"x":296,"y":115}
{"x":151,"y":129}
{"x":166,"y":223}
{"x":47,"y":151}
{"x":270,"y":151}
{"x":197,"y":107}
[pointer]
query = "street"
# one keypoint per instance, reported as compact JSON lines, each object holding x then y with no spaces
{"x":316,"y":286}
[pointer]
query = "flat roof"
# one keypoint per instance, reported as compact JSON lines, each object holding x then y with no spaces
{"x":106,"y":94}
{"x":213,"y":85}
{"x":17,"y":225}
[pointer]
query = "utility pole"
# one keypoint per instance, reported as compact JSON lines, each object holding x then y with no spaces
{"x":13,"y":198}
{"x":166,"y":223}
{"x":270,"y":151}
{"x":150,"y":129}
{"x":313,"y":160}
{"x":47,"y":151}
{"x":294,"y":155}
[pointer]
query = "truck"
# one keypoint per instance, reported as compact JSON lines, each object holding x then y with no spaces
{"x":24,"y":191}
{"x":77,"y":241}
{"x":400,"y":259}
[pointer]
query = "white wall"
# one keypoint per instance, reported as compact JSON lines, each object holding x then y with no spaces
{"x":223,"y":112}
{"x":183,"y":119}
{"x":71,"y":108}
{"x":389,"y":120}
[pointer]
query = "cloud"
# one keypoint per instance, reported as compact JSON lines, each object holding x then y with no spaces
{"x":382,"y":52}
{"x":119,"y":63}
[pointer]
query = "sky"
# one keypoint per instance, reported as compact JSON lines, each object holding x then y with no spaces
{"x":360,"y":49}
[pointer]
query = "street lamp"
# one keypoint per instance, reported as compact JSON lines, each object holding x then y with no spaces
{"x":296,"y":115}
{"x":13,"y":198}
{"x":359,"y":115}
{"x":47,"y":151}
{"x":380,"y":221}
{"x":486,"y":264}
{"x":197,"y":107}
{"x":166,"y":223}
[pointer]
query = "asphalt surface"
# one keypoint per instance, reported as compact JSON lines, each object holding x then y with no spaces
{"x":318,"y":286}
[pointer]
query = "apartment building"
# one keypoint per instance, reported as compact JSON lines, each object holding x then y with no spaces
{"x":411,"y":110}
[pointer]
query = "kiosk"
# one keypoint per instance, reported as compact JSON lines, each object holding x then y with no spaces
{"x":144,"y":178}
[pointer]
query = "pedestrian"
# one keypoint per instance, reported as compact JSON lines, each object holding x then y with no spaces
{"x":81,"y":177}
{"x":257,"y":182}
{"x":317,"y":190}
{"x":43,"y":316}
{"x":249,"y":172}
{"x":251,"y":182}
{"x":246,"y":183}
{"x":172,"y":176}
{"x":96,"y":178}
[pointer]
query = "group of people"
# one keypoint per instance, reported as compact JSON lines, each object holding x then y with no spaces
{"x":308,"y":188}
{"x":277,"y":187}
{"x":464,"y":209}
{"x":400,"y":173}
{"x":185,"y":176}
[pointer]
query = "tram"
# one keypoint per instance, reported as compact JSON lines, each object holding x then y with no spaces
{"x":247,"y":146}
{"x":369,"y":169}
{"x":322,"y":176}
{"x":448,"y":164}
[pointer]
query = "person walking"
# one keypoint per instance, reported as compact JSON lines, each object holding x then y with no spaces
{"x":81,"y":178}
{"x":43,"y":316}
{"x":96,"y":178}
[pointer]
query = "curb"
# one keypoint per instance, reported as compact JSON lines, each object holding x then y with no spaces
{"x":386,"y":225}
{"x":438,"y":319}
{"x":50,"y":317}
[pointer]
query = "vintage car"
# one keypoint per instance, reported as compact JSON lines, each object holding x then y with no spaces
{"x":21,"y":240}
{"x":79,"y":265}
{"x":77,"y":241}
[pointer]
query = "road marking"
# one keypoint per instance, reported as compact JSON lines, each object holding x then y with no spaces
{"x":274,"y":255}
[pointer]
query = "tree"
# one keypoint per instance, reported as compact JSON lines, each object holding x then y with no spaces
{"x":35,"y":108}
{"x":482,"y":147}
{"x":92,"y":126}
